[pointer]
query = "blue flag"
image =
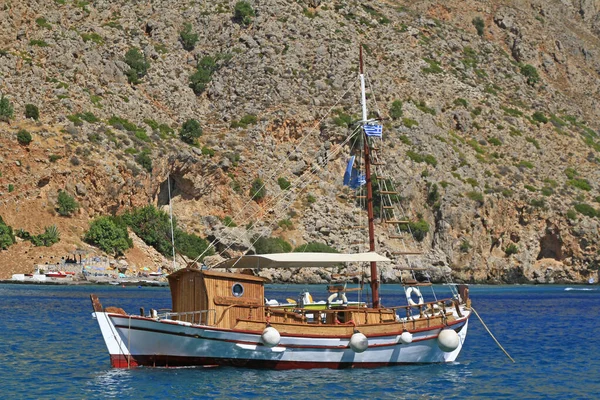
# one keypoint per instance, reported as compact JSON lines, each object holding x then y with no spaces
{"x":373,"y":130}
{"x":351,"y":177}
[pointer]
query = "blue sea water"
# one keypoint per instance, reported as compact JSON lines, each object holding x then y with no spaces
{"x":50,"y":347}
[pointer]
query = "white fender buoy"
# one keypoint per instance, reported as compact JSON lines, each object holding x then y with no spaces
{"x":417,"y":292}
{"x":406,"y":337}
{"x":448,"y":340}
{"x":270,"y":337}
{"x":358,"y":342}
{"x":337,"y":296}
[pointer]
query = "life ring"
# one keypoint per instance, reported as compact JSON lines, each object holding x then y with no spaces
{"x":337,"y":296}
{"x":409,"y":293}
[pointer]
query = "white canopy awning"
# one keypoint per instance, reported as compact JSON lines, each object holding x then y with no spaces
{"x":299,"y":260}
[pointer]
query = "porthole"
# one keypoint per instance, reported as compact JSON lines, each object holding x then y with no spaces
{"x":237,"y":289}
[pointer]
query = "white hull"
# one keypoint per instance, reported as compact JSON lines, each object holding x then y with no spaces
{"x":133,"y":341}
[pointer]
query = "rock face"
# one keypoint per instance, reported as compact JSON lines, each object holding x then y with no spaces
{"x":495,"y":145}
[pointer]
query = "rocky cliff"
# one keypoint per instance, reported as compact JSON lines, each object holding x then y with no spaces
{"x":492,"y":141}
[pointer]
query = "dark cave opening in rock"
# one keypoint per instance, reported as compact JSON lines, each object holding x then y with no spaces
{"x":551,"y":247}
{"x":163,"y":193}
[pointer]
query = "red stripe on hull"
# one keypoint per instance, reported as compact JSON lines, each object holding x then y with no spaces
{"x":121,"y":361}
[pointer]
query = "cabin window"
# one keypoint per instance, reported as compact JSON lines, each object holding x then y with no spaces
{"x":237,"y":289}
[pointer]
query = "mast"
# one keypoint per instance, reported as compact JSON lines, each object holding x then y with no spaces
{"x":171,"y":218}
{"x":374,"y":272}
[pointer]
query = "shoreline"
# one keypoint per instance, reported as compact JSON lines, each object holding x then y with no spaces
{"x":166,"y":284}
{"x":85,"y":283}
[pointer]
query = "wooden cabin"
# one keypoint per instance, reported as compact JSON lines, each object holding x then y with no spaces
{"x":216,"y":298}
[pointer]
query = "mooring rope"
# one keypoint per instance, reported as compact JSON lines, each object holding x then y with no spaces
{"x":492,"y":336}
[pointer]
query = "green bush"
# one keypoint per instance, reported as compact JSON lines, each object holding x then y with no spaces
{"x":479,"y":25}
{"x":465,"y":246}
{"x":529,"y":72}
{"x":494,"y":141}
{"x":586,"y":210}
{"x":475,"y":196}
{"x":433,"y":195}
{"x":192,"y":246}
{"x":283,"y":183}
{"x":6,"y":109}
{"x":315,"y":247}
{"x":7,"y":237}
{"x":206,"y":67}
{"x":285,"y":224}
{"x":31,"y":111}
{"x":271,"y":245}
{"x":539,"y":117}
{"x":38,"y":42}
{"x":109,"y":234}
{"x":419,"y":229}
{"x":42,"y":23}
{"x":153,"y":226}
{"x":409,"y":123}
{"x":248,"y":119}
{"x":187,"y":37}
{"x":50,"y":236}
{"x":571,"y":173}
{"x":258,"y":190}
{"x":138,"y":65}
{"x":11,"y":188}
{"x":190,"y":131}
{"x":243,"y":12}
{"x":396,"y":109}
{"x":342,"y":119}
{"x":511,"y":249}
{"x":228,"y":221}
{"x":433,"y":68}
{"x":66,"y":204}
{"x":144,"y":160}
{"x":533,"y":141}
{"x":207,"y":151}
{"x":24,"y":137}
{"x":460,"y":102}
{"x":580,"y":183}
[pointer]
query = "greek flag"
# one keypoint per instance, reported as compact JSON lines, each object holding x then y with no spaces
{"x":373,"y":130}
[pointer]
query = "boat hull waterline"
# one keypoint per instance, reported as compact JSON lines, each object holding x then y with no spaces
{"x":142,"y":341}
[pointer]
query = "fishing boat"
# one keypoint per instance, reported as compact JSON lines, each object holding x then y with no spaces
{"x":220,"y":317}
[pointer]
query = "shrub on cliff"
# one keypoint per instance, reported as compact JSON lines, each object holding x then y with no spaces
{"x":204,"y":70}
{"x":24,"y":137}
{"x":50,"y":236}
{"x":187,"y":37}
{"x":529,"y":72}
{"x":144,"y":160}
{"x":192,"y":246}
{"x":7,"y":237}
{"x":418,"y":229}
{"x":479,"y":25}
{"x":243,"y":12}
{"x":396,"y":109}
{"x":258,"y":190}
{"x":190,"y":131}
{"x":66,"y":204}
{"x":138,"y":65}
{"x":270,"y":245}
{"x":315,"y":247}
{"x":108,"y":234}
{"x":31,"y":111}
{"x":6,"y":109}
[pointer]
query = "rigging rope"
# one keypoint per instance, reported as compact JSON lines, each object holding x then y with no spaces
{"x":492,"y":336}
